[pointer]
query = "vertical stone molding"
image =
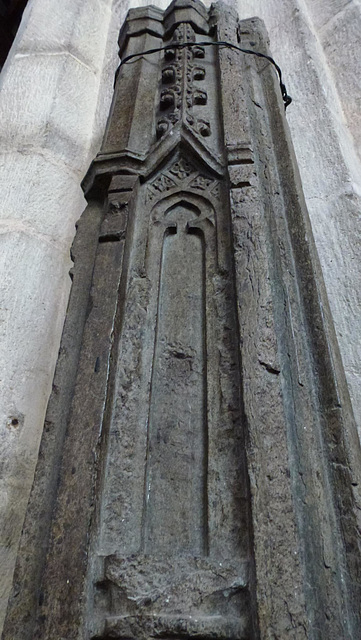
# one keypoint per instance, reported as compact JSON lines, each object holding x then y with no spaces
{"x":199,"y":465}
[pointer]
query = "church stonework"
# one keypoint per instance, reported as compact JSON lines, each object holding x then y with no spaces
{"x":197,"y":477}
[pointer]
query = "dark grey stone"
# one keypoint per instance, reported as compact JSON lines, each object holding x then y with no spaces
{"x":199,"y":465}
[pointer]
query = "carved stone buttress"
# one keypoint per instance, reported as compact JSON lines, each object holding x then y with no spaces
{"x":196,"y":476}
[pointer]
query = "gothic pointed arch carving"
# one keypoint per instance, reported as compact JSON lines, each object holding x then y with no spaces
{"x":182,"y":507}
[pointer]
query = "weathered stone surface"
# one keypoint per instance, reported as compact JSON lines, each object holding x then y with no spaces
{"x":323,"y":11}
{"x":125,"y":127}
{"x":281,"y":607}
{"x":323,"y":142}
{"x":39,"y":214}
{"x":73,"y":28}
{"x":325,"y":148}
{"x":340,"y":40}
{"x":310,"y":431}
{"x":50,"y":118}
{"x":293,"y":420}
{"x":197,"y":435}
{"x":166,"y":589}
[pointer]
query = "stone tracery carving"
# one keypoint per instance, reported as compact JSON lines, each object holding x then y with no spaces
{"x":173,"y":177}
{"x":182,"y":169}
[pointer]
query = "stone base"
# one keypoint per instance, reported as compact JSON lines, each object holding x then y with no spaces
{"x":202,"y":628}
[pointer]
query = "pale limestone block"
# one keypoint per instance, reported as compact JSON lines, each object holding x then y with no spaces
{"x":73,"y":26}
{"x":30,"y":294}
{"x":322,"y":11}
{"x":49,"y":102}
{"x":342,"y":43}
{"x":33,"y":293}
{"x":39,"y":197}
{"x":354,"y":381}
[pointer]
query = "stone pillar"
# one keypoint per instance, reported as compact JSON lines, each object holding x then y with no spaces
{"x":199,"y":466}
{"x":46,"y":148}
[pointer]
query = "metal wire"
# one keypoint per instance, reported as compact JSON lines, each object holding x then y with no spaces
{"x":182,"y":45}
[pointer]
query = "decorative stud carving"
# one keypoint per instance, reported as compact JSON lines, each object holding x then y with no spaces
{"x":199,"y":73}
{"x":162,"y":127}
{"x":204,"y":128}
{"x":170,"y":54}
{"x":199,"y":97}
{"x":167,"y":99}
{"x":198,"y":52}
{"x":179,"y":99}
{"x":168,"y":75}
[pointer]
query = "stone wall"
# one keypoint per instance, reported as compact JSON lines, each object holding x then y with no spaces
{"x":55,"y":93}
